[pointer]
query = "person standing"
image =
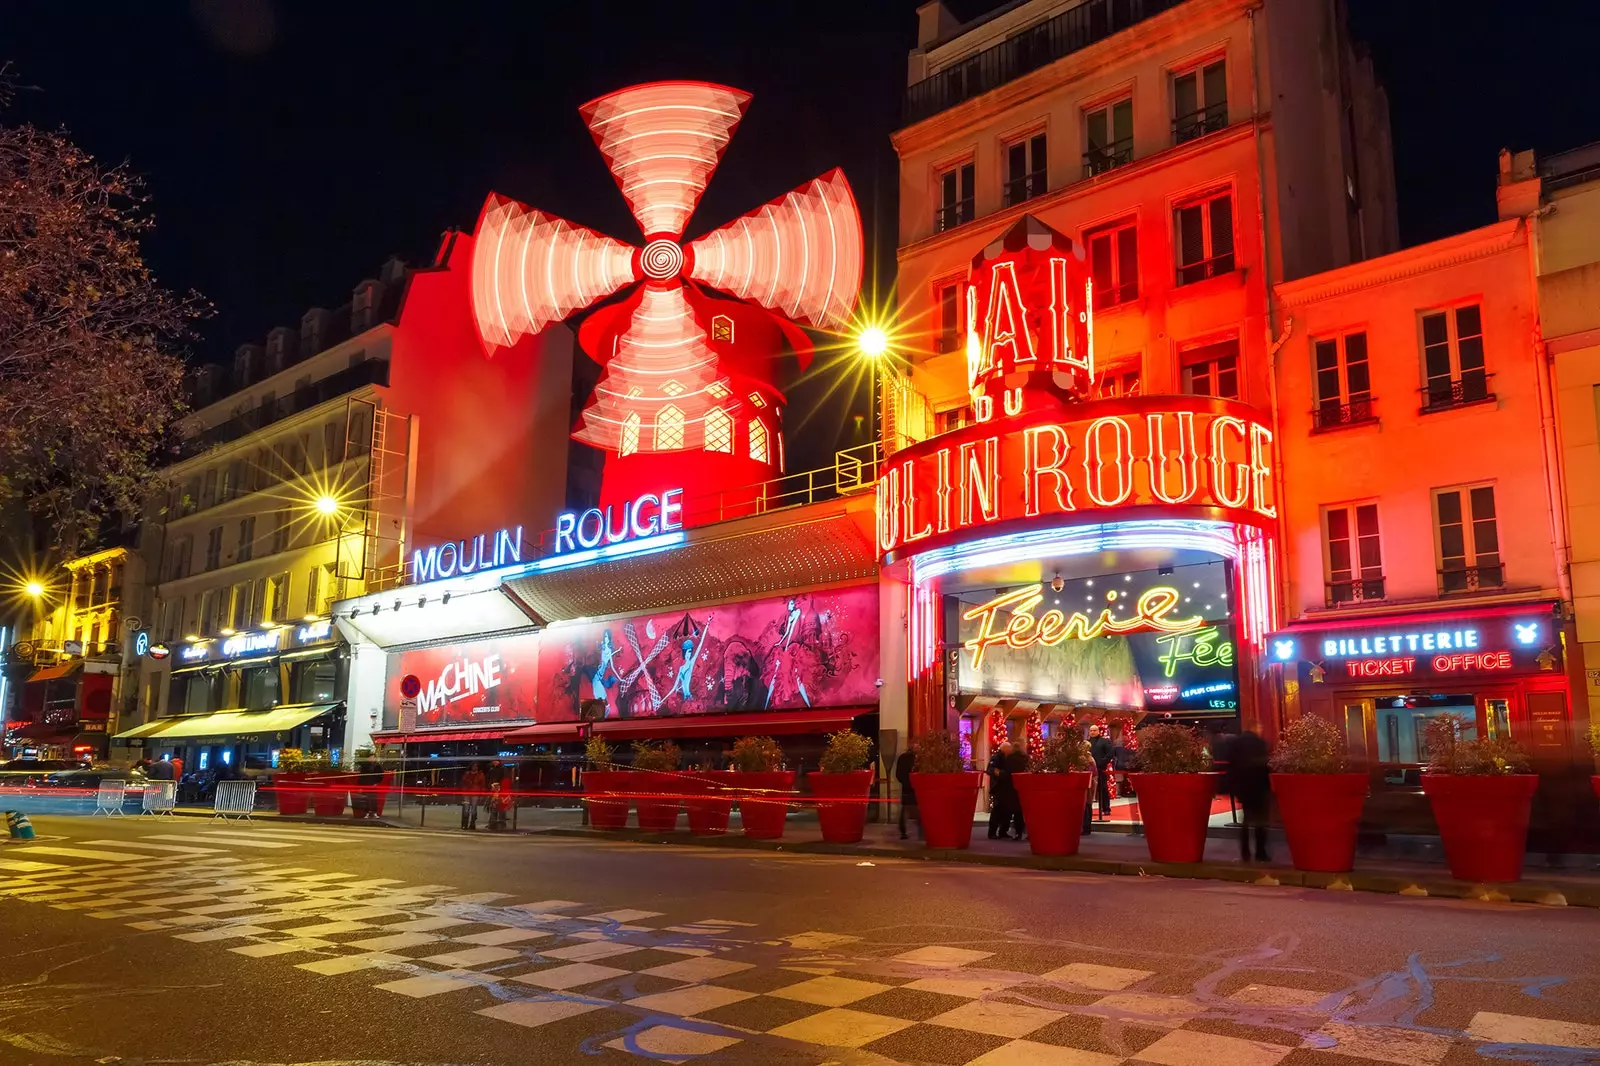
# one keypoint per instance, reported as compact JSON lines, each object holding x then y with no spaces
{"x":369,"y":775}
{"x":473,"y":786}
{"x":1016,"y":762}
{"x":908,"y":795}
{"x":1001,"y":793}
{"x":1248,"y":778}
{"x":499,"y":794}
{"x":1102,"y":752}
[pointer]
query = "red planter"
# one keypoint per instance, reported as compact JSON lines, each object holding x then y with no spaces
{"x":291,"y":800}
{"x":329,"y":793}
{"x":947,"y":804}
{"x":1594,"y":783}
{"x":841,"y":804}
{"x":605,"y":791}
{"x":1052,"y":807}
{"x":659,"y":799}
{"x":372,"y":795}
{"x":1483,"y":822}
{"x":1321,"y":815}
{"x":709,"y":797}
{"x":763,"y":818}
{"x":1176,"y":809}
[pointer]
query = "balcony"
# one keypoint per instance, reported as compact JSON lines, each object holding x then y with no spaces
{"x":1108,"y":157}
{"x":369,"y":372}
{"x":1201,"y":269}
{"x":1471,"y":578}
{"x":1025,"y":188}
{"x":1197,"y":124}
{"x":952,"y":215}
{"x":1331,"y":414}
{"x":1026,"y":51}
{"x":1108,"y":296}
{"x":1354,"y":590}
{"x":1443,"y":394}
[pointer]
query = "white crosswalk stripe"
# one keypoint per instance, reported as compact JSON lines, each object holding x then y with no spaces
{"x":177,"y":849}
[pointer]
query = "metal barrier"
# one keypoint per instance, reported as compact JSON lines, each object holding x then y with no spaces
{"x":108,"y":799}
{"x":159,"y":797}
{"x":235,"y":799}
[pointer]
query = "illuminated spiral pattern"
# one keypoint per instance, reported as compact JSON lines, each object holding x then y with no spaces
{"x":661,"y":259}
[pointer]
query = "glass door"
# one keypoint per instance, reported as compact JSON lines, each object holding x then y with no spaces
{"x":1358,"y":720}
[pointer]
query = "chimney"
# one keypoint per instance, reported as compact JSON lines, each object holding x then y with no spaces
{"x":313,"y":332}
{"x":246,"y":364}
{"x":1517,"y":186}
{"x":935,"y":23}
{"x":280,"y":345}
{"x":393,"y":271}
{"x":364,"y":305}
{"x":203,"y":385}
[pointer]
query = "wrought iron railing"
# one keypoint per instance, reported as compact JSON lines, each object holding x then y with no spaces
{"x":1201,"y":269}
{"x":1197,"y":124}
{"x":952,"y":215}
{"x":1472,"y":578}
{"x":1107,"y":296}
{"x":1026,"y":51}
{"x":1331,"y":414}
{"x":367,"y":372}
{"x":1100,"y":160}
{"x":1443,"y":394}
{"x":1355,"y":590}
{"x":1025,"y":188}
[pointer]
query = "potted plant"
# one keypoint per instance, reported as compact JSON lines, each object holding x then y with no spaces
{"x":1175,"y":788}
{"x":1054,"y":791}
{"x":329,"y":785}
{"x":947,"y":792}
{"x":288,"y":782}
{"x":605,"y":788}
{"x":842,"y":783}
{"x":757,"y":763}
{"x":660,"y":795}
{"x":1594,"y":746}
{"x":1481,"y":792}
{"x":1319,"y":799}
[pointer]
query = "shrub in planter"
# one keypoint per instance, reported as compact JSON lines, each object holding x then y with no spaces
{"x":1054,"y":791}
{"x":660,"y":794}
{"x":1481,"y":792}
{"x":756,"y":773}
{"x":947,"y":792}
{"x":842,"y":785}
{"x":288,"y":782}
{"x":605,"y":788}
{"x":1320,"y":802}
{"x":1175,"y":788}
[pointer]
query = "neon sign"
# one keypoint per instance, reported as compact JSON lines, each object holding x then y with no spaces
{"x":1442,"y":664}
{"x":1182,"y":454}
{"x":647,"y":516}
{"x":246,"y":643}
{"x":1202,"y":648}
{"x":1021,"y":630}
{"x":1466,"y":642}
{"x":486,"y":551}
{"x":319,"y":630}
{"x":1390,"y":643}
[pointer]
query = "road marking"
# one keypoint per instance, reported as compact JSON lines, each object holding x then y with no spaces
{"x":23,"y":867}
{"x":85,"y":853}
{"x":179,"y":849}
{"x":236,"y":841}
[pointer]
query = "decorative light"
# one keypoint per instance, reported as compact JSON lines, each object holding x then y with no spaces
{"x":326,"y":504}
{"x":34,"y":587}
{"x":873,"y":342}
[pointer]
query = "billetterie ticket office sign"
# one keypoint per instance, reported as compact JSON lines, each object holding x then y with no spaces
{"x":1193,"y":457}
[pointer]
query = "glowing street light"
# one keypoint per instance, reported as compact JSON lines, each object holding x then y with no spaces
{"x":34,"y":587}
{"x":326,"y":505}
{"x":873,"y":342}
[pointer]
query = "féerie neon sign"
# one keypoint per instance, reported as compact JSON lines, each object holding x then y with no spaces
{"x":1020,"y":629}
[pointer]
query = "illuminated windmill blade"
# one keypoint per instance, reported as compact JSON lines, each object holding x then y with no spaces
{"x":800,"y":255}
{"x":662,"y":141}
{"x":530,"y":269}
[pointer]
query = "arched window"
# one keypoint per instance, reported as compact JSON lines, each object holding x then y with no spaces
{"x":669,"y":429}
{"x":630,"y":435}
{"x":719,"y":431}
{"x":758,"y":440}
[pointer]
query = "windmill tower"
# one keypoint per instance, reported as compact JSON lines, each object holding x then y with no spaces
{"x":687,"y":396}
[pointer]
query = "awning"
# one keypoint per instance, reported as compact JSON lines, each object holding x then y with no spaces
{"x":56,"y":672}
{"x":437,"y":735}
{"x":231,"y":723}
{"x":550,"y":733}
{"x":722,"y":725}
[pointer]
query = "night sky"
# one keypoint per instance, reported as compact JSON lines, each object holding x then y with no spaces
{"x":291,"y":145}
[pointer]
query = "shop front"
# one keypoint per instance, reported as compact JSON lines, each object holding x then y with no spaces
{"x":65,"y":709}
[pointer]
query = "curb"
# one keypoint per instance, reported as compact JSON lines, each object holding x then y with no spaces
{"x":1390,"y":883}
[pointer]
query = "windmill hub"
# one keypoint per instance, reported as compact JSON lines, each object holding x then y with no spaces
{"x":661,"y":259}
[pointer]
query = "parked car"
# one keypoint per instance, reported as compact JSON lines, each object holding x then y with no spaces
{"x":33,"y":772}
{"x":90,"y":776}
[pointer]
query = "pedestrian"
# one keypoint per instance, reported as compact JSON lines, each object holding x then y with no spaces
{"x":177,"y":767}
{"x":1002,"y":794}
{"x":908,"y":795}
{"x":500,"y":782}
{"x":473,"y":786}
{"x":1016,"y":762}
{"x":369,"y":776}
{"x":160,"y":770}
{"x":1248,"y":779}
{"x":1103,"y":753}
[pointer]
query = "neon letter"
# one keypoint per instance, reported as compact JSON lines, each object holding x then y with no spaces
{"x":908,"y":480}
{"x":1034,"y":470}
{"x":1004,"y":325}
{"x":645,"y":529}
{"x":980,"y":479}
{"x":671,"y":510}
{"x":1220,"y":463}
{"x":889,"y":510}
{"x":584,"y":538}
{"x":1261,"y":469}
{"x":941,"y":460}
{"x":1188,"y":475}
{"x":1094,"y":461}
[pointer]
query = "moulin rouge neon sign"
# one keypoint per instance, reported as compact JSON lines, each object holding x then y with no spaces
{"x":1008,"y":619}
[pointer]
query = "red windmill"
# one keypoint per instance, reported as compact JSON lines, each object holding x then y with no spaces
{"x":687,"y":395}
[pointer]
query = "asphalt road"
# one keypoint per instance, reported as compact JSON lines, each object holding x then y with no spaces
{"x":184,"y":941}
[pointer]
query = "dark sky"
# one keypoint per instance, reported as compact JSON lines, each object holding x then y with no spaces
{"x":291,"y":145}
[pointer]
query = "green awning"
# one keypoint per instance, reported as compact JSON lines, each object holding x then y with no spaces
{"x":231,"y":723}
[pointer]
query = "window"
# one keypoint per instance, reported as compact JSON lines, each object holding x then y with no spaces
{"x":263,"y":469}
{"x":758,"y":441}
{"x":360,"y":436}
{"x":182,"y":555}
{"x":1469,"y":540}
{"x":955,"y":197}
{"x":952,"y":418}
{"x":1108,"y":137}
{"x":1114,"y":263}
{"x":1199,"y":102}
{"x":1026,"y":169}
{"x":175,"y":619}
{"x":950,"y":299}
{"x":1352,"y":555}
{"x":205,"y":614}
{"x":280,"y":531}
{"x":1403,"y":723}
{"x":669,"y":429}
{"x":332,"y":444}
{"x":673,"y":388}
{"x":247,"y":538}
{"x":214,"y":548}
{"x":1119,"y":379}
{"x":722,"y":329}
{"x":258,"y":602}
{"x":258,"y":688}
{"x":1343,"y":384}
{"x":278,"y":602}
{"x":756,"y":400}
{"x":719,"y":431}
{"x":1212,"y":370}
{"x":240,"y":614}
{"x":229,"y":488}
{"x":717,"y":390}
{"x":1452,"y":359}
{"x":1204,"y":232}
{"x":312,"y":681}
{"x":630,"y":435}
{"x":321,"y":589}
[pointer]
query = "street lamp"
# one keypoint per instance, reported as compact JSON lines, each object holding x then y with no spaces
{"x":326,"y":505}
{"x":34,"y":587}
{"x":872,"y":342}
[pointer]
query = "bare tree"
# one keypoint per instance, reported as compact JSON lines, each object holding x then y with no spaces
{"x":90,"y":377}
